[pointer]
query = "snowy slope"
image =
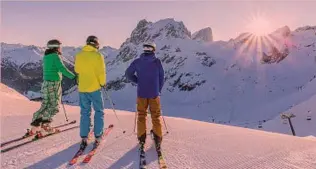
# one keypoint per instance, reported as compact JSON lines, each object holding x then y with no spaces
{"x":189,"y":144}
{"x":9,"y":92}
{"x":302,"y":126}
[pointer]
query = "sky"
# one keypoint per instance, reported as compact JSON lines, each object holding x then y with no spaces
{"x":34,"y":23}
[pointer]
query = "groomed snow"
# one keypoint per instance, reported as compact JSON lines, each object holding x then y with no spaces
{"x":189,"y":144}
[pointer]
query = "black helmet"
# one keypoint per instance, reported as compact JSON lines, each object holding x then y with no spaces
{"x":93,"y":41}
{"x":54,"y":43}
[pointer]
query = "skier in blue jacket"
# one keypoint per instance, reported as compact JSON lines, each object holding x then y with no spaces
{"x":147,"y":72}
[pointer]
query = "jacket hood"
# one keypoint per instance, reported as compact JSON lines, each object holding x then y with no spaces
{"x":89,"y":48}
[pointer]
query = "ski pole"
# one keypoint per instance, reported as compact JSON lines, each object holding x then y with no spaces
{"x":164,"y":122}
{"x":64,"y":110}
{"x":136,"y":113}
{"x":113,"y":109}
{"x":61,"y":101}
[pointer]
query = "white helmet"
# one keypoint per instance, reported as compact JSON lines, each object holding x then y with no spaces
{"x":149,"y":46}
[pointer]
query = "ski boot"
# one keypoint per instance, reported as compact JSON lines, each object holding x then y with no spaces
{"x":157,"y":141}
{"x":142,"y":140}
{"x":38,"y":135}
{"x":47,"y":128}
{"x":97,"y":142}
{"x":142,"y":149}
{"x":34,"y":129}
{"x":90,"y":136}
{"x":83,"y":144}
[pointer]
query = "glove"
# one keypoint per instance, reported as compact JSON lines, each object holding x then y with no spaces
{"x":102,"y":87}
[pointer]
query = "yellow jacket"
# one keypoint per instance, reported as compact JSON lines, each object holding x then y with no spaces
{"x":90,"y":67}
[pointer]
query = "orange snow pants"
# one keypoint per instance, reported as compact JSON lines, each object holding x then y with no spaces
{"x":155,"y":110}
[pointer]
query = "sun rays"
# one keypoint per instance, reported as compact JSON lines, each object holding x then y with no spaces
{"x":260,"y":40}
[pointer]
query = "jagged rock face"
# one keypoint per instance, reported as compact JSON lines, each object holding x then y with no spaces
{"x":127,"y":52}
{"x":204,"y":35}
{"x":275,"y":55}
{"x":163,"y":29}
{"x":283,"y":31}
{"x":186,"y":82}
{"x":139,"y":34}
{"x":147,"y":31}
{"x":306,"y":28}
{"x":206,"y":60}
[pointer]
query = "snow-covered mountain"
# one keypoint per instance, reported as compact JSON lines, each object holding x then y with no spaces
{"x":205,"y":81}
{"x":225,"y":82}
{"x":21,"y":66}
{"x":204,"y":35}
{"x":189,"y":144}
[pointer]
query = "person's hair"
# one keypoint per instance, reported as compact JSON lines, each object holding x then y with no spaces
{"x":52,"y":50}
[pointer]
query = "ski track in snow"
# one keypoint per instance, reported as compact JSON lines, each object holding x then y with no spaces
{"x":189,"y":144}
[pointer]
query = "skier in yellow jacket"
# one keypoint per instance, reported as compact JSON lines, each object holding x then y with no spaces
{"x":90,"y":67}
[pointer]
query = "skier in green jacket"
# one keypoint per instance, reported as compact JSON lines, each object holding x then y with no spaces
{"x":53,"y":69}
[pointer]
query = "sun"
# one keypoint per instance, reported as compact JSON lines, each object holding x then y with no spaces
{"x":259,"y":26}
{"x":258,"y":38}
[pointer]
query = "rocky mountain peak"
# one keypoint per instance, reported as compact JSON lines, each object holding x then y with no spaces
{"x":284,"y":31}
{"x":162,"y":29}
{"x":205,"y":35}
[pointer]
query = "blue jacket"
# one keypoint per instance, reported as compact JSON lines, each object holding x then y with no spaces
{"x":149,"y":75}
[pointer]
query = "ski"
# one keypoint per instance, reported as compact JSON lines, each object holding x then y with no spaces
{"x":24,"y":137}
{"x":65,"y":124}
{"x":80,"y":151}
{"x":36,"y":139}
{"x":76,"y":156}
{"x":142,"y":157}
{"x":161,"y":161}
{"x":92,"y":152}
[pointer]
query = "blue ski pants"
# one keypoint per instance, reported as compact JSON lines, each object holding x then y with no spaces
{"x":86,"y":99}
